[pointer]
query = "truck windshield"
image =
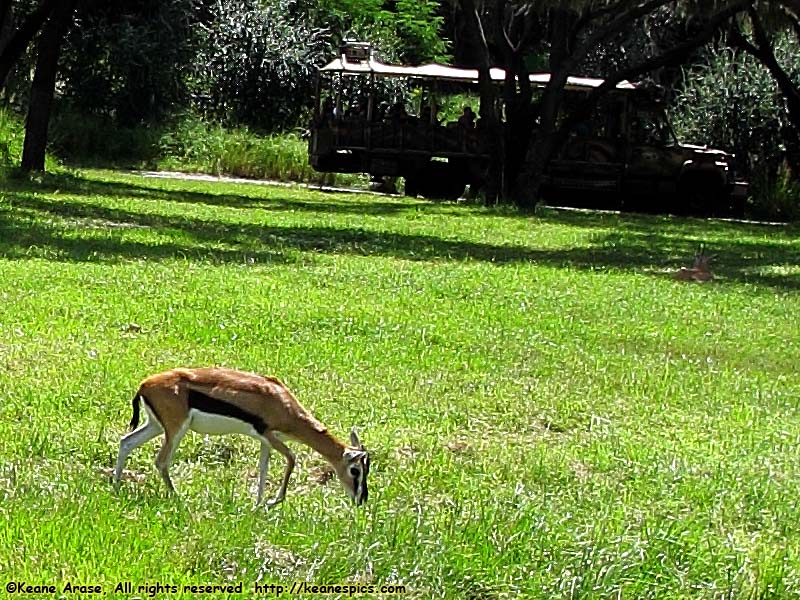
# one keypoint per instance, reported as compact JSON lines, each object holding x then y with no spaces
{"x":653,"y":128}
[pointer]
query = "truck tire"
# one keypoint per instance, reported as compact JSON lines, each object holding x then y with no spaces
{"x":440,"y":180}
{"x":700,"y":194}
{"x":411,"y":185}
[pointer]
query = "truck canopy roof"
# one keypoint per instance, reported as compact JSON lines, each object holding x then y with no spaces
{"x":454,"y":74}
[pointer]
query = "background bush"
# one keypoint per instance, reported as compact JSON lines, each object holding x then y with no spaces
{"x":12,"y":137}
{"x":256,"y":63}
{"x":188,"y":144}
{"x":194,"y":145}
{"x":731,"y":102}
{"x":129,"y":62}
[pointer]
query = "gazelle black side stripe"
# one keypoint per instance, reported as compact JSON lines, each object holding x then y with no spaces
{"x":207,"y":404}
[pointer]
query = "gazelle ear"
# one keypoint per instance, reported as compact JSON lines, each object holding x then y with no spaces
{"x":352,"y":456}
{"x":354,"y":441}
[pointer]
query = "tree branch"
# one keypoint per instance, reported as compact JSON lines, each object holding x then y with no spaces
{"x":794,"y":22}
{"x":615,"y":26}
{"x":792,"y":5}
{"x":737,"y":39}
{"x":673,"y":56}
{"x":22,"y":37}
{"x":763,"y":51}
{"x":518,"y":21}
{"x":591,"y":15}
{"x":759,"y":33}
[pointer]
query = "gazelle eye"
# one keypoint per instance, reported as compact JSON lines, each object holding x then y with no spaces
{"x":354,"y":472}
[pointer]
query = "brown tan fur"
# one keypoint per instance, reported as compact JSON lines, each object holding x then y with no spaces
{"x":167,"y":400}
{"x":699,"y":272}
{"x":283,"y":412}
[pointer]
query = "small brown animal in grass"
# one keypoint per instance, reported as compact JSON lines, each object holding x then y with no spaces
{"x":700,"y":270}
{"x":222,"y":401}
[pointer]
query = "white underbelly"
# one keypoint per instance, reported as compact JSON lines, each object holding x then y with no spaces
{"x":214,"y":424}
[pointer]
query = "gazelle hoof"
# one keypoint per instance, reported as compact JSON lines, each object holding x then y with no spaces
{"x":274,"y":502}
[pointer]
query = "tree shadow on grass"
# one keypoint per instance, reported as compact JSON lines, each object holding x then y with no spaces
{"x":74,"y":231}
{"x":260,"y":197}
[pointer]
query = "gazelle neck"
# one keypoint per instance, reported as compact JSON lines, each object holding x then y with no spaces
{"x":325,"y":444}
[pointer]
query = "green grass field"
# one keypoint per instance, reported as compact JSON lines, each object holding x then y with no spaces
{"x":549,"y":413}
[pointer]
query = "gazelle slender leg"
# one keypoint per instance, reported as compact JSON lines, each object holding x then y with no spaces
{"x":263,"y":467}
{"x":164,"y":458}
{"x":133,"y":440}
{"x":290,"y":462}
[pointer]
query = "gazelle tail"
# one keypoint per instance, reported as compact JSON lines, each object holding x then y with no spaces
{"x":135,"y":419}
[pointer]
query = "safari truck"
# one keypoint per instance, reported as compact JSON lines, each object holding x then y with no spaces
{"x":626,"y":151}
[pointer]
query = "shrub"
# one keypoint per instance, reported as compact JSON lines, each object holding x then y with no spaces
{"x":778,"y":199}
{"x":194,"y":145}
{"x":257,"y":62}
{"x":732,"y":102}
{"x":12,"y":139}
{"x":98,"y":139}
{"x":128,"y":60}
{"x":12,"y":135}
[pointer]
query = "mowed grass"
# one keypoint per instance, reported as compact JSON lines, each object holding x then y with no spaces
{"x":549,"y":413}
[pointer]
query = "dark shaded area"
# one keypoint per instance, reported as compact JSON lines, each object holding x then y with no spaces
{"x":43,"y":85}
{"x":635,"y":243}
{"x":152,"y":189}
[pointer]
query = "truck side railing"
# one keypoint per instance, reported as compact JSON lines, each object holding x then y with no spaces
{"x":410,"y":135}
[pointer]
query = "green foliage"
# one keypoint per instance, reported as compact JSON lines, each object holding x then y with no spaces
{"x":778,"y":198}
{"x":12,"y":138}
{"x":408,"y":31}
{"x":99,"y":139}
{"x":188,"y":144}
{"x":128,"y":61}
{"x":192,"y":145}
{"x":257,"y":62}
{"x":419,"y":26}
{"x":550,"y":414}
{"x":732,"y":103}
{"x":197,"y":146}
{"x":242,"y":62}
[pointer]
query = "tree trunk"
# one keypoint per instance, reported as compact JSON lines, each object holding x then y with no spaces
{"x":517,"y":95}
{"x":43,"y":86}
{"x":763,"y":51}
{"x":14,"y":45}
{"x":542,"y":144}
{"x":490,"y":131}
{"x":6,"y":24}
{"x":528,"y":185}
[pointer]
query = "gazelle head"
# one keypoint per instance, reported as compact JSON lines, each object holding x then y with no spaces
{"x":702,"y":261}
{"x":353,"y":469}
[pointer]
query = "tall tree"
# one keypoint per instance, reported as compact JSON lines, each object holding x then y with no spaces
{"x":565,"y":33}
{"x":43,"y":86}
{"x":782,"y":16}
{"x":489,"y":115}
{"x":14,"y":41}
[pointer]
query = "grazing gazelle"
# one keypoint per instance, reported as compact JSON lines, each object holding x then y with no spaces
{"x":220,"y":401}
